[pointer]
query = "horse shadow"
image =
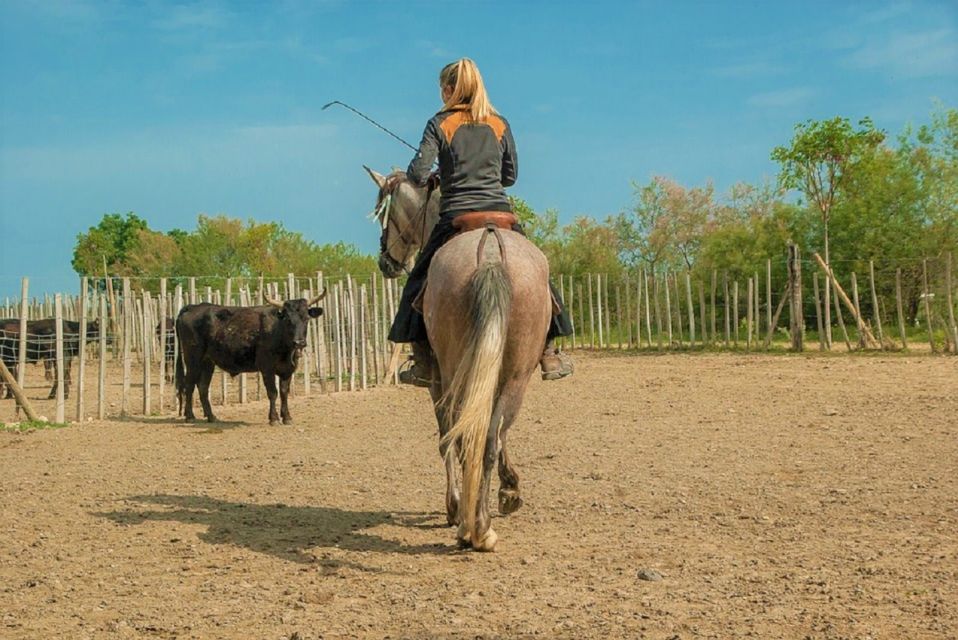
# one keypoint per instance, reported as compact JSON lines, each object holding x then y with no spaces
{"x":283,"y":531}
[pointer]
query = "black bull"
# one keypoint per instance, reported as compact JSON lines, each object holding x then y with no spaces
{"x":267,"y":339}
{"x":42,"y":346}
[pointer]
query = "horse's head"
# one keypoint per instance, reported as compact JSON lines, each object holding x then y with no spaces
{"x":406,"y":220}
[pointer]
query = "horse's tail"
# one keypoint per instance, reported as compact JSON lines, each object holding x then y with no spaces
{"x":472,"y":392}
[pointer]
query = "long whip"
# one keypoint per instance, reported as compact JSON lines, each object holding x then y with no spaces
{"x":368,"y":119}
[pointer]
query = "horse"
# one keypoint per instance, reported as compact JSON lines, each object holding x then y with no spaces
{"x":487,"y":310}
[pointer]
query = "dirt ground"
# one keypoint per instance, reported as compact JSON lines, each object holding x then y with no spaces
{"x":774,"y":497}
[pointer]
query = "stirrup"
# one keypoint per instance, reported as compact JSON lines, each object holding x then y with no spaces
{"x":408,"y":375}
{"x":555,"y":365}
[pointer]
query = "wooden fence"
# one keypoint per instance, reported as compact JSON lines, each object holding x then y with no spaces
{"x":348,"y":349}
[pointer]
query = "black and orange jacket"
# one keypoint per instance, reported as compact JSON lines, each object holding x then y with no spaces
{"x":477,"y":160}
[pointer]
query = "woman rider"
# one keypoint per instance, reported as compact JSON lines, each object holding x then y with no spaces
{"x":477,"y":159}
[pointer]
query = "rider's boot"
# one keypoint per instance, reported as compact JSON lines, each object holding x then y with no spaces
{"x":554,"y":363}
{"x":420,"y":373}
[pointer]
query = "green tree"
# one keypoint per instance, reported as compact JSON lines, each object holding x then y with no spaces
{"x":109,"y":243}
{"x":819,"y":161}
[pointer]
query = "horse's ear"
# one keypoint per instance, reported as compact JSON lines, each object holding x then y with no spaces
{"x":378,"y":178}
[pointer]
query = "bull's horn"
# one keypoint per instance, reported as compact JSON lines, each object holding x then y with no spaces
{"x":275,"y":303}
{"x":318,"y":298}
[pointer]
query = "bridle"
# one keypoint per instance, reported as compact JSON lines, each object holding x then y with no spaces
{"x":382,"y":214}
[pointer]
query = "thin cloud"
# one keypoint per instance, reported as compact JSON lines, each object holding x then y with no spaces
{"x":782,"y":98}
{"x":748,"y":70}
{"x":434,"y":49}
{"x":190,"y":17}
{"x":913,"y":54}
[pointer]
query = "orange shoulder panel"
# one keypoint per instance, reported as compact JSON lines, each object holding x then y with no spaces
{"x":498,"y":126}
{"x":451,"y":124}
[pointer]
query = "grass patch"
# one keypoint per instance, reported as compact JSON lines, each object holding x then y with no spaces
{"x":30,"y":425}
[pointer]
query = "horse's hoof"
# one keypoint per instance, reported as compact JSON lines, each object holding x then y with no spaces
{"x":287,"y":421}
{"x":212,"y":419}
{"x":463,"y":537}
{"x":488,"y":541}
{"x":509,"y":501}
{"x":272,"y":422}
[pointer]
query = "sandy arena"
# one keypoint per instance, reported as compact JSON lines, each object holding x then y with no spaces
{"x":672,"y":496}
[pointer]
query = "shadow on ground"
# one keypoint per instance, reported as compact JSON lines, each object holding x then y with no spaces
{"x":279,"y":530}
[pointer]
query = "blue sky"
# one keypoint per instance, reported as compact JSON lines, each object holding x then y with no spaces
{"x":175,"y":109}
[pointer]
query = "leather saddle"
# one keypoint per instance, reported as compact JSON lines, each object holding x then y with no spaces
{"x":483,"y":219}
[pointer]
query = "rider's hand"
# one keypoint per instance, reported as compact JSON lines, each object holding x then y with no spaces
{"x":432,"y":182}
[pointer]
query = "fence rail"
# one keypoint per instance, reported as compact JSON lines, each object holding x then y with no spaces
{"x":348,"y":347}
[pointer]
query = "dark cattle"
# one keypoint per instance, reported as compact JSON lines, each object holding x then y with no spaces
{"x":169,"y":349}
{"x":42,"y":346}
{"x":267,"y":339}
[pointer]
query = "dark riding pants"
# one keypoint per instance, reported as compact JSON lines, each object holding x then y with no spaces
{"x":409,"y":325}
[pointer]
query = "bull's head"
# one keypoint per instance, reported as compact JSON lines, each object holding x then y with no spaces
{"x":294,"y":316}
{"x":92,"y":330}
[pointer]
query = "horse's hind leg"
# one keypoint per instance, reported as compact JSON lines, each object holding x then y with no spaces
{"x":509,"y":497}
{"x":450,"y":461}
{"x":484,"y":538}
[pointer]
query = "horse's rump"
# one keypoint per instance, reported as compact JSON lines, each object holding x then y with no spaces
{"x":447,"y":307}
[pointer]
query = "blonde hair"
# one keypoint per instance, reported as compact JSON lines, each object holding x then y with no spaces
{"x":468,"y":89}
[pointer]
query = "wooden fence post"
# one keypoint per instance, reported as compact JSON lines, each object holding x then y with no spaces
{"x":901,"y":313}
{"x":859,"y":321}
{"x":61,"y":373}
{"x":127,"y":347}
{"x":726,"y":305}
{"x":18,"y":394}
{"x":608,"y":314}
{"x":618,"y":314}
{"x":579,"y":296}
{"x":161,"y":323}
{"x":22,"y":338}
{"x":101,"y":365}
{"x":818,"y":313}
{"x":795,"y":286}
{"x":147,"y":343}
{"x":571,"y":308}
{"x":678,"y":306}
{"x":749,"y":315}
{"x":648,"y":311}
{"x":598,"y":294}
{"x":735,"y":310}
{"x":926,"y":295}
{"x":713,"y":331}
{"x":841,"y":319}
{"x":704,"y":335}
{"x":591,"y":315}
{"x":81,"y":351}
{"x":768,"y":293}
{"x":688,"y":292}
{"x":362,"y":335}
{"x":951,"y":305}
{"x":658,"y":310}
{"x":876,"y":315}
{"x":668,"y":308}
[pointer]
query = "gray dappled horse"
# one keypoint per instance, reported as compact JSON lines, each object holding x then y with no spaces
{"x":487,"y":309}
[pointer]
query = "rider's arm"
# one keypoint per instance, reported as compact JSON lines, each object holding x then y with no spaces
{"x":421,"y":165}
{"x":510,"y":162}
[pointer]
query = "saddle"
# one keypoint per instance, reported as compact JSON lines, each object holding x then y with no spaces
{"x":483,"y":220}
